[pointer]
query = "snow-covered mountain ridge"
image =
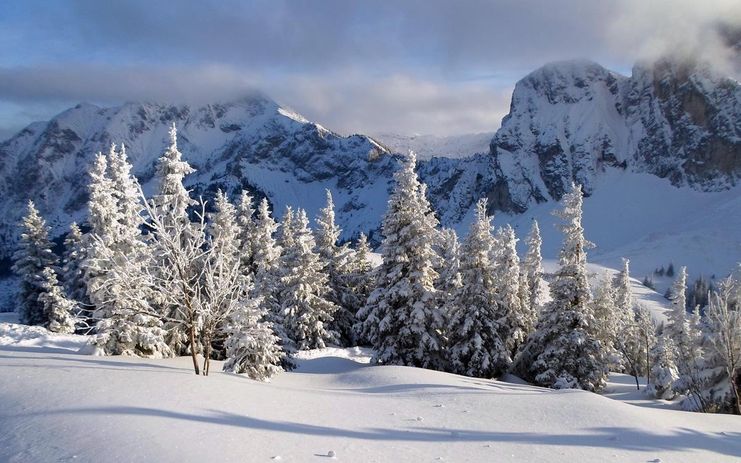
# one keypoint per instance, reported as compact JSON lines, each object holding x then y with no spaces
{"x":568,"y":121}
{"x":573,"y":120}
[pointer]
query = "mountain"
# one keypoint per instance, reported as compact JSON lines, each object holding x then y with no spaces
{"x":429,"y":146}
{"x":676,"y":122}
{"x":250,"y":143}
{"x":573,"y":120}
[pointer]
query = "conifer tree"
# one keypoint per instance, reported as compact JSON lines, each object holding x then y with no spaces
{"x":663,"y":372}
{"x":360,"y":281}
{"x":337,"y":261}
{"x":449,"y":278}
{"x":401,"y":318}
{"x":224,"y":229}
{"x":251,"y":346}
{"x":307,"y":313}
{"x":103,"y":217}
{"x":519,"y":320}
{"x":605,"y":310}
{"x":533,"y":267}
{"x":34,"y":254}
{"x":724,"y":326}
{"x":119,"y":262}
{"x":170,"y":204}
{"x":266,"y":259}
{"x":563,"y":351}
{"x":73,"y":260}
{"x":247,"y":233}
{"x":59,"y":312}
{"x":477,"y":346}
{"x":172,"y":199}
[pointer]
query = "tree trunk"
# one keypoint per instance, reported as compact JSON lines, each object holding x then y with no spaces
{"x":193,"y":354}
{"x":635,"y":375}
{"x":648,"y":363}
{"x":206,"y":354}
{"x":734,"y":387}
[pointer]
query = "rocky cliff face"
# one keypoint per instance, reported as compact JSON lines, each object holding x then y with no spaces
{"x":572,"y":120}
{"x":568,"y":121}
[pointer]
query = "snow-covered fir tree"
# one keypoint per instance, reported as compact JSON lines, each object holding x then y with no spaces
{"x":724,"y":328}
{"x":401,"y":318}
{"x":476,"y":330}
{"x":563,"y":351}
{"x":73,"y":259}
{"x":632,"y":338}
{"x":170,"y":204}
{"x":449,"y":277}
{"x":533,"y":267}
{"x":172,"y":199}
{"x":224,"y":286}
{"x":247,"y":233}
{"x":307,"y":312}
{"x":119,"y":262}
{"x":34,"y":254}
{"x":103,"y":220}
{"x":267,"y":271}
{"x":519,"y":319}
{"x":251,"y":346}
{"x":360,"y":281}
{"x":604,"y":308}
{"x":59,"y":311}
{"x":678,"y":326}
{"x":224,"y":230}
{"x":337,"y":262}
{"x":663,"y":372}
{"x":688,"y":356}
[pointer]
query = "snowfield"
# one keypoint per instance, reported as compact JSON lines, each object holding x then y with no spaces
{"x":60,"y":405}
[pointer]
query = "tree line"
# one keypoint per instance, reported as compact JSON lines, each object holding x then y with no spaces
{"x":161,"y":277}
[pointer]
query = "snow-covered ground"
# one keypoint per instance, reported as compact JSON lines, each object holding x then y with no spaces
{"x":647,"y":220}
{"x":59,"y":405}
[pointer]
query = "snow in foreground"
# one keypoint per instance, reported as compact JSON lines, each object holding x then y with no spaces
{"x":59,"y":405}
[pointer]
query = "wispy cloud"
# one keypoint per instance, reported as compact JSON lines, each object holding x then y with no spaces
{"x":424,"y":66}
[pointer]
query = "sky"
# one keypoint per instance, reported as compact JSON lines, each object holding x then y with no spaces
{"x":404,"y":67}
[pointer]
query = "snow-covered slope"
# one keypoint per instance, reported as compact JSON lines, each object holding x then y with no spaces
{"x":63,"y":406}
{"x":428,"y":146}
{"x":647,"y":220}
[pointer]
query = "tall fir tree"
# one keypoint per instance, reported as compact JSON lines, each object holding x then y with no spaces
{"x":361,"y":281}
{"x":73,"y":260}
{"x":59,"y":311}
{"x":401,"y":318}
{"x":307,"y":312}
{"x":103,"y":218}
{"x":449,"y":277}
{"x":34,"y":254}
{"x":224,"y":230}
{"x":120,"y":260}
{"x":247,"y":233}
{"x":266,"y":258}
{"x":170,"y":203}
{"x":519,"y":319}
{"x":172,"y":199}
{"x":533,"y":267}
{"x":476,"y":331}
{"x":563,"y":351}
{"x":337,"y":262}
